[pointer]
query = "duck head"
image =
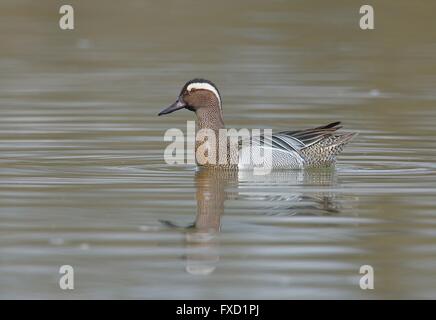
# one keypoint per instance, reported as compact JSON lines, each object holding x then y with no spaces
{"x":198,"y":95}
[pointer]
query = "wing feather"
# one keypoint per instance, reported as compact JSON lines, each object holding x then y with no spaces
{"x":294,"y":141}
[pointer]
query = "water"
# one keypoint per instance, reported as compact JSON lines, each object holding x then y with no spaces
{"x":82,"y":176}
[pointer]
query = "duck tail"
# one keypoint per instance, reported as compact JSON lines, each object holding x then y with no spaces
{"x":324,"y":152}
{"x":342,"y":139}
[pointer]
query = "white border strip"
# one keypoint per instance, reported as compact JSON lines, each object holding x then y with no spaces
{"x":204,"y":86}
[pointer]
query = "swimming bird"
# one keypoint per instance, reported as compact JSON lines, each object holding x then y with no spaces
{"x":293,"y":149}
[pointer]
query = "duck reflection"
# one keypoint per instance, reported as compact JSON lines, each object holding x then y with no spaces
{"x":280,"y":192}
{"x":212,"y":189}
{"x":290,"y":192}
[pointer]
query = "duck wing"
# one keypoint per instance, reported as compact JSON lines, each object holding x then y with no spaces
{"x":299,"y":139}
{"x":311,"y":136}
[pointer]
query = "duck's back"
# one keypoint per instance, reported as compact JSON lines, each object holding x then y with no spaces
{"x":315,"y":147}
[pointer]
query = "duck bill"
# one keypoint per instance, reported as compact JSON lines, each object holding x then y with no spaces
{"x":179,"y":104}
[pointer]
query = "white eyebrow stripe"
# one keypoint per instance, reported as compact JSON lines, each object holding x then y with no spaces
{"x":204,"y":86}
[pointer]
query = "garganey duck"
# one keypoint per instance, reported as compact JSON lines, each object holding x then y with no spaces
{"x":315,"y":147}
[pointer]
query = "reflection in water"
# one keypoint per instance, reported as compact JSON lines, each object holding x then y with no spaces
{"x":285,"y":198}
{"x":215,"y":186}
{"x":202,"y":242}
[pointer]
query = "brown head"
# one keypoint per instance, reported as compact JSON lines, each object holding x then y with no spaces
{"x":202,"y":97}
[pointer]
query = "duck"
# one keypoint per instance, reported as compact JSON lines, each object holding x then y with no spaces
{"x":292,"y":149}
